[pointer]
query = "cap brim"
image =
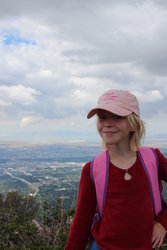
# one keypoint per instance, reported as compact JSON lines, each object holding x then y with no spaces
{"x":112,"y":109}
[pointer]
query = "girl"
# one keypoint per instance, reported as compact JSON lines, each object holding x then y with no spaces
{"x":128,"y":219}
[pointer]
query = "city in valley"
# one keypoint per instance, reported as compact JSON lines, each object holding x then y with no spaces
{"x":45,"y":172}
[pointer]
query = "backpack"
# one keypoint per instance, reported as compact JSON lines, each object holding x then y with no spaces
{"x":99,"y":172}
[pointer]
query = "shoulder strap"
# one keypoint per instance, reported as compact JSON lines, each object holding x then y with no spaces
{"x":100,"y":170}
{"x":149,"y":161}
{"x":99,"y":175}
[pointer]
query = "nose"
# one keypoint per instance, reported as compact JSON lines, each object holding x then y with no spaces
{"x":109,"y":122}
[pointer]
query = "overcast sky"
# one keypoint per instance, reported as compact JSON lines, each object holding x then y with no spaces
{"x":58,"y":57}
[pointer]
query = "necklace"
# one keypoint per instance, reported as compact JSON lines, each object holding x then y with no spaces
{"x":127,"y":176}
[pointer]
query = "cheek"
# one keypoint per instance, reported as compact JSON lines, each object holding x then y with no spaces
{"x":125,"y":125}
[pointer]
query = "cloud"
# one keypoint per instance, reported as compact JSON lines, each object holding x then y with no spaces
{"x":30,"y":120}
{"x":149,"y":96}
{"x":18,"y":93}
{"x":58,"y":57}
{"x":3,"y":103}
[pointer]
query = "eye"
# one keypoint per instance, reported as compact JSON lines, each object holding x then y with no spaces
{"x":117,"y":117}
{"x":102,"y":116}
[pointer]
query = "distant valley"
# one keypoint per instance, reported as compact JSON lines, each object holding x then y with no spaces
{"x":46,"y":172}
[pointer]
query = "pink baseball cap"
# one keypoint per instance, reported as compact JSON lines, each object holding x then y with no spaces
{"x":119,"y":102}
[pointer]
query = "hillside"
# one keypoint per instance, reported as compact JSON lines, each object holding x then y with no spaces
{"x":26,"y":224}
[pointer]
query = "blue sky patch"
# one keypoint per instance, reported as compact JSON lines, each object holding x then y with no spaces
{"x":15,"y":39}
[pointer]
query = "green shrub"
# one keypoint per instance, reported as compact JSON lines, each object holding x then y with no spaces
{"x":26,"y":224}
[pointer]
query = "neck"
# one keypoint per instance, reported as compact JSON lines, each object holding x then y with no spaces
{"x":121,"y":150}
{"x":122,"y":157}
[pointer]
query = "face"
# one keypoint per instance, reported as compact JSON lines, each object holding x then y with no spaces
{"x":114,"y":129}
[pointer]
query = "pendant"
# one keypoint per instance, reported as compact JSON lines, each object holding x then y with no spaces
{"x":127,"y":176}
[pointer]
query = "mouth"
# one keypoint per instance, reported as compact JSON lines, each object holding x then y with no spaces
{"x":110,"y":132}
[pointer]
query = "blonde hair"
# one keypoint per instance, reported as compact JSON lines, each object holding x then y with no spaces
{"x":138,"y":131}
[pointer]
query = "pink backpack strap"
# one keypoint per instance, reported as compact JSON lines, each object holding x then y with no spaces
{"x":99,"y":175}
{"x":149,"y":160}
{"x":100,"y":171}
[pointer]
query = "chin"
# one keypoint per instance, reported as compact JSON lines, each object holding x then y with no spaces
{"x":109,"y":143}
